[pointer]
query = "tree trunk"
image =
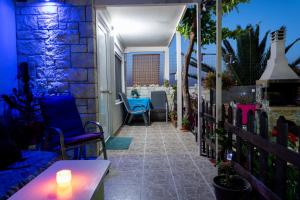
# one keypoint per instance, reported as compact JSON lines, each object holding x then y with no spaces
{"x":185,"y":71}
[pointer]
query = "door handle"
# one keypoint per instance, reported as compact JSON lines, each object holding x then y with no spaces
{"x":105,"y":92}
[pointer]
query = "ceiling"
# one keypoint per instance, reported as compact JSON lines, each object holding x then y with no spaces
{"x":140,"y":26}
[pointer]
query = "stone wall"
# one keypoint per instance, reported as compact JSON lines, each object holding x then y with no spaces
{"x":57,"y":40}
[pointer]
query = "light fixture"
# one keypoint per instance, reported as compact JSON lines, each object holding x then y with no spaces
{"x":63,"y":178}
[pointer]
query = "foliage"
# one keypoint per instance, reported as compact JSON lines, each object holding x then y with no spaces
{"x":208,"y":22}
{"x":210,"y":81}
{"x":188,"y":28}
{"x":173,"y":115}
{"x":226,"y":169}
{"x":166,"y":83}
{"x":244,"y":99}
{"x":135,"y":93}
{"x":249,"y":61}
{"x":185,"y":122}
{"x":22,"y":102}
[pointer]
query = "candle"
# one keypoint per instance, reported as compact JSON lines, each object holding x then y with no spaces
{"x":63,"y":177}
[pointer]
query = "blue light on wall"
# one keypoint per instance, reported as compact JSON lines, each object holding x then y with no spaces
{"x":8,"y":52}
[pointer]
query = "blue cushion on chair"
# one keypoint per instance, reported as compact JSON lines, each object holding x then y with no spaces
{"x":61,"y":112}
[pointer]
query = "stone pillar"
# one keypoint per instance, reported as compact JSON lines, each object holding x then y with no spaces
{"x":57,"y":41}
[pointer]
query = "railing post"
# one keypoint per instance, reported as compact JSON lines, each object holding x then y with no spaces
{"x":203,"y":151}
{"x":230,"y":121}
{"x":238,"y":139}
{"x":281,"y":165}
{"x":250,"y":128}
{"x":263,"y":158}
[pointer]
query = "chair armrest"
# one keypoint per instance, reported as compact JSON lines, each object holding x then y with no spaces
{"x":97,"y":124}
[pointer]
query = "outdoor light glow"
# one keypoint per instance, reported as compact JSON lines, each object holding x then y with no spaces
{"x":63,"y":178}
{"x":127,"y":26}
{"x":229,"y":156}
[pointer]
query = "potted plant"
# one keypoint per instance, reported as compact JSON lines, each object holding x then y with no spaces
{"x":185,"y":124}
{"x":228,"y":185}
{"x":245,"y":103}
{"x":135,"y":93}
{"x":23,"y":111}
{"x":173,"y":117}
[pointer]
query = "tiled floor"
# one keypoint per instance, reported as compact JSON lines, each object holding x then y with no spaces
{"x":161,"y":164}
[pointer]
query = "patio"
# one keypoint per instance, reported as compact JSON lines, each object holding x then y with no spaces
{"x":161,"y":163}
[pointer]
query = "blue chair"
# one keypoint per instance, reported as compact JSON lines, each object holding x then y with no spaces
{"x":65,"y":129}
{"x":136,"y":110}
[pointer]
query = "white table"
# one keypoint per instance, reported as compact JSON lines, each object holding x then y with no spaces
{"x":87,"y":182}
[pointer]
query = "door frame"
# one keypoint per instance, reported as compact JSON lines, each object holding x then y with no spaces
{"x":109,"y":64}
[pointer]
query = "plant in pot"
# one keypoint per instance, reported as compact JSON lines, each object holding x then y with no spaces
{"x":173,"y":117}
{"x":228,"y":185}
{"x":23,"y":112}
{"x":185,"y":124}
{"x":245,"y":103}
{"x":135,"y":93}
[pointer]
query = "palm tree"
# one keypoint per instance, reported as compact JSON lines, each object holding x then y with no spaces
{"x":249,"y":60}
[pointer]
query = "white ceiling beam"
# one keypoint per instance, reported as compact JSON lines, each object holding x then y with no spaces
{"x":145,"y":49}
{"x":140,"y":2}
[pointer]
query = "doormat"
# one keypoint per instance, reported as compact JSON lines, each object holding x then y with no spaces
{"x":118,"y":143}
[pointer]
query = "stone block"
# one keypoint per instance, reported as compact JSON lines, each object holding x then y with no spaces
{"x":62,"y":63}
{"x":75,"y":74}
{"x":26,"y":22}
{"x":89,"y":13}
{"x":79,"y":2}
{"x":39,"y":10}
{"x":31,"y":47}
{"x":18,"y":10}
{"x":22,"y":58}
{"x":60,"y":52}
{"x":79,"y":48}
{"x":62,"y":25}
{"x":35,"y":34}
{"x":50,"y":22}
{"x":82,"y":109}
{"x":40,"y":61}
{"x":63,"y":37}
{"x":91,"y":106}
{"x":71,"y":14}
{"x":82,"y":60}
{"x":81,"y":102}
{"x":86,"y":29}
{"x":57,"y":87}
{"x":83,"y":41}
{"x":80,"y":90}
{"x":72,"y":26}
{"x":91,"y":45}
{"x":91,"y":75}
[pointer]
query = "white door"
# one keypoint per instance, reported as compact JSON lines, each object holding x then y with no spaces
{"x":104,"y":86}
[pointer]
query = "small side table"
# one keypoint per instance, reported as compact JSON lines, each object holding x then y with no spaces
{"x":87,"y":182}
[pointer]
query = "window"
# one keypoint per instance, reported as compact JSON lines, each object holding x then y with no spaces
{"x":118,"y":75}
{"x":146,"y":69}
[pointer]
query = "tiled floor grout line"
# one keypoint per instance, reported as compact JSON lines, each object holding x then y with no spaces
{"x":169,"y":163}
{"x":203,"y":177}
{"x":143,"y":170}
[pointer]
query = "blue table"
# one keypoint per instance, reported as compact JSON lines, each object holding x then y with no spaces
{"x":143,"y":103}
{"x":139,"y":103}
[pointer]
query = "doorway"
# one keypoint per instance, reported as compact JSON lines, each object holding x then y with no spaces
{"x":104,"y":83}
